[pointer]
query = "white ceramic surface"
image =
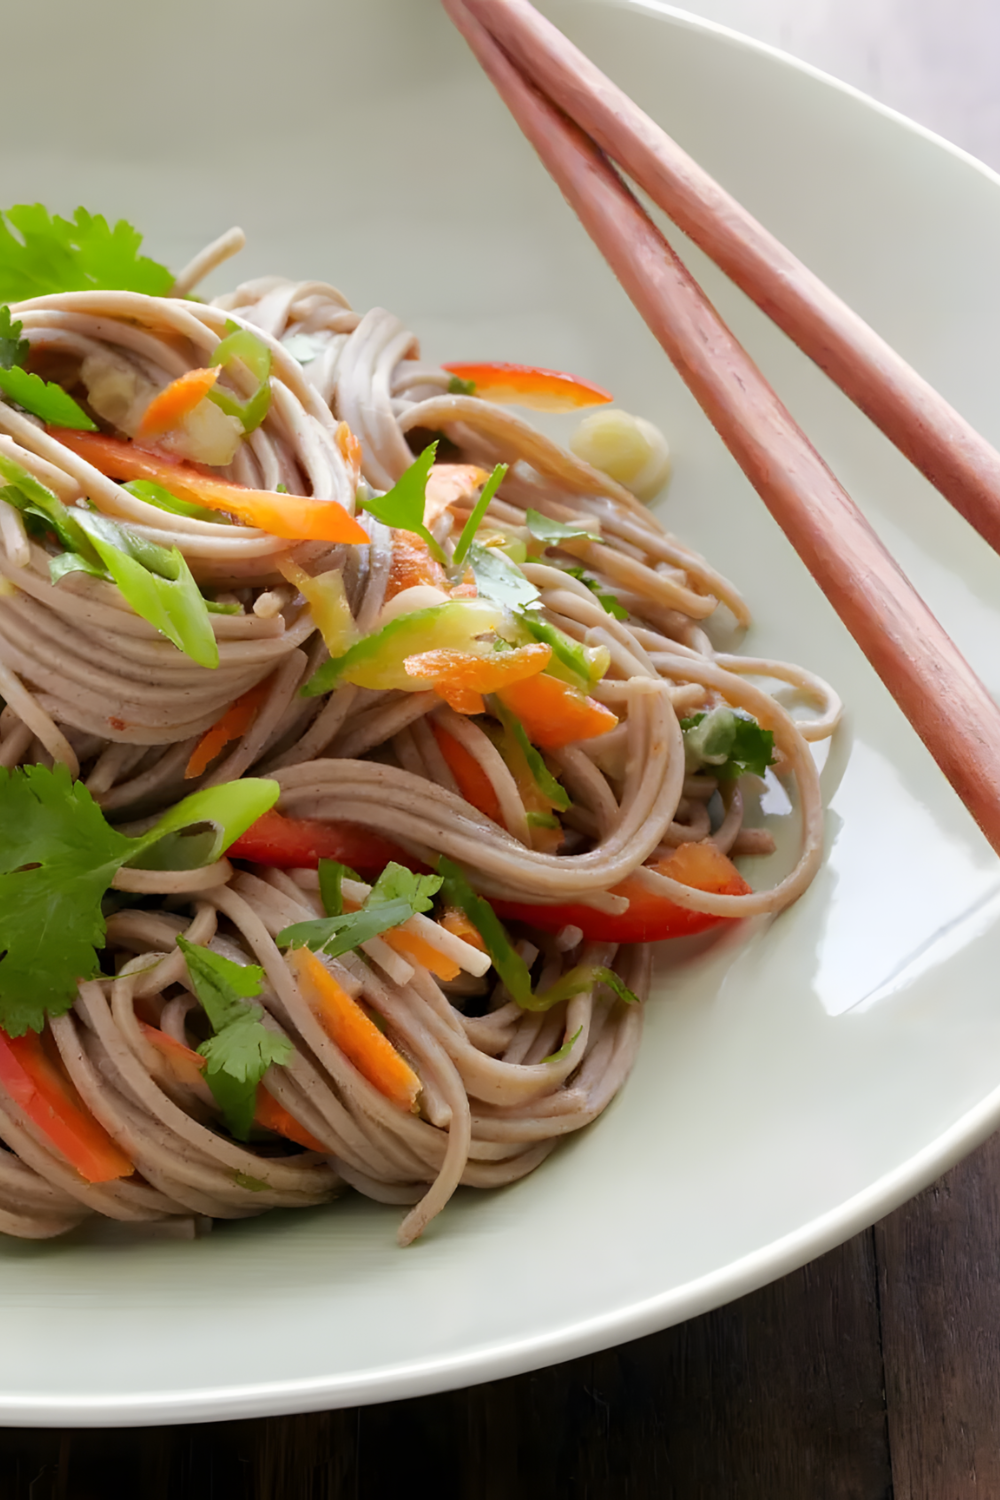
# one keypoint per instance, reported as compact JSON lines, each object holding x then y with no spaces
{"x":795,"y":1082}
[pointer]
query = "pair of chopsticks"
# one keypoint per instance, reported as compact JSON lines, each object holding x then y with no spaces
{"x":577,"y":119}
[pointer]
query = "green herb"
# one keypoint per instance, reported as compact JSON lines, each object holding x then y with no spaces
{"x":13,"y":348}
{"x":403,"y":505}
{"x":158,"y":584}
{"x":282,"y":489}
{"x":459,"y":387}
{"x":511,"y":967}
{"x":728,"y":740}
{"x":499,"y":579}
{"x":242,"y":1049}
{"x":609,"y":601}
{"x":565,"y":1049}
{"x":542,"y":820}
{"x":394,"y":898}
{"x":58,"y":856}
{"x":479,"y":510}
{"x":50,"y":254}
{"x":30,"y":496}
{"x":43,"y":398}
{"x":541,"y":775}
{"x":577,"y":982}
{"x":155,"y":494}
{"x":243,"y":345}
{"x":544,"y":529}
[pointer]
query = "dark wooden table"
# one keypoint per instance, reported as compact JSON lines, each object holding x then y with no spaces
{"x":872,"y":1374}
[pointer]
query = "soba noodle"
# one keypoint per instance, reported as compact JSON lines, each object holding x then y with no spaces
{"x":88,"y":683}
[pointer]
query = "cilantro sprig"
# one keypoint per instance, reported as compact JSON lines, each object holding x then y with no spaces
{"x":242,"y":1048}
{"x":59,"y":855}
{"x":604,"y":597}
{"x":397,"y":895}
{"x":42,"y":253}
{"x":403,"y":505}
{"x":727,"y":741}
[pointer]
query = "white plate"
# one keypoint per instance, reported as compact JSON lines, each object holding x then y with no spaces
{"x":795,"y":1083}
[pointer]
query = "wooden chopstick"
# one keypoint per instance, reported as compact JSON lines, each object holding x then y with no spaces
{"x":956,"y":459}
{"x":917,"y":661}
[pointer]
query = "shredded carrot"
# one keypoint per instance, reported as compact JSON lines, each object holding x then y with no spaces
{"x":297,"y":518}
{"x":473,"y":782}
{"x":271,"y":1115}
{"x":555,"y":714}
{"x":170,"y":406}
{"x":357,"y":1036}
{"x":411,"y":945}
{"x":350,"y":450}
{"x":187,"y":1066}
{"x":457,"y":923}
{"x":234,"y":723}
{"x":461,"y":677}
{"x":411,"y":564}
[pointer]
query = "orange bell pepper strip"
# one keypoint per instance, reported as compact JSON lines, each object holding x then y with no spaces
{"x":300,"y":844}
{"x":473,"y":782}
{"x":237,"y":719}
{"x":354,"y":1032}
{"x":554,"y":713}
{"x":170,"y":406}
{"x":650,"y":918}
{"x":461,"y":677}
{"x":39,"y":1085}
{"x":297,"y":518}
{"x":270,"y":1115}
{"x":527,"y":385}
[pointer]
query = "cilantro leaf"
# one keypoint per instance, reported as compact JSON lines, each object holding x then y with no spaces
{"x":394,"y":898}
{"x":459,"y":387}
{"x":45,"y":399}
{"x":58,"y":856}
{"x":499,"y":579}
{"x":242,"y":1049}
{"x":729,"y":741}
{"x":69,"y":255}
{"x":479,"y":510}
{"x":544,"y":529}
{"x":13,"y":348}
{"x":403,"y":505}
{"x":252,"y":1184}
{"x":609,"y":601}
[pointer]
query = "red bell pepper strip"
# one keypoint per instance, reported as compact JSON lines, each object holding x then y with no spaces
{"x":300,"y":844}
{"x":294,"y":517}
{"x":527,"y":385}
{"x":49,"y":1100}
{"x":650,"y":918}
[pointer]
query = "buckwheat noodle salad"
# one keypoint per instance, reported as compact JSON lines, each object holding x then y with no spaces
{"x":358,"y":744}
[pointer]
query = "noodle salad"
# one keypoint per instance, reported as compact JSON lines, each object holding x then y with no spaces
{"x":358,"y":743}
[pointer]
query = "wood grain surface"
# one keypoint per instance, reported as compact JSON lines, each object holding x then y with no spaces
{"x":871,"y":1374}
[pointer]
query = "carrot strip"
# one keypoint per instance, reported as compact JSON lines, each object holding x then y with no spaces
{"x":555,"y":714}
{"x":411,"y":945}
{"x":295,"y":517}
{"x":357,"y":1036}
{"x":170,"y":406}
{"x":350,"y":450}
{"x":528,"y":385}
{"x":411,"y":564}
{"x":234,"y":723}
{"x":461,"y":677}
{"x":187,"y":1066}
{"x":458,"y":924}
{"x":271,"y":1115}
{"x":473,"y":782}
